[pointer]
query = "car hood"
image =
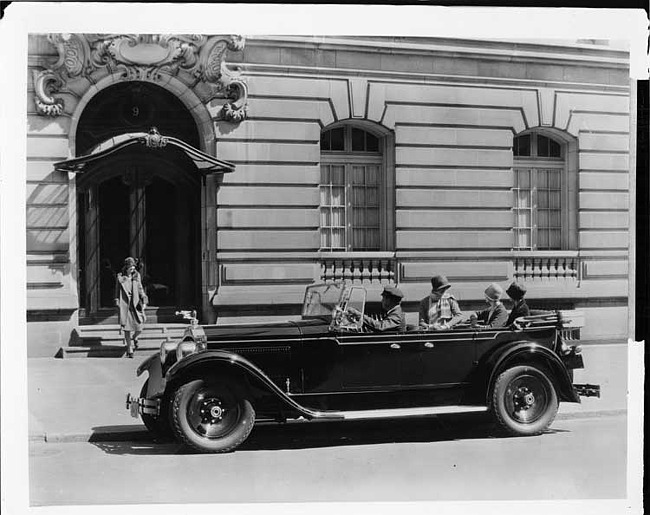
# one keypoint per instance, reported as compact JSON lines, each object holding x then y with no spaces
{"x":266,"y":331}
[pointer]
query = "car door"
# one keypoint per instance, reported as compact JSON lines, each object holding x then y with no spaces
{"x":377,"y":361}
{"x":448,"y":357}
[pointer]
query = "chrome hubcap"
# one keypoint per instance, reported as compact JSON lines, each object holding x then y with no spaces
{"x":524,"y":398}
{"x":211,"y":411}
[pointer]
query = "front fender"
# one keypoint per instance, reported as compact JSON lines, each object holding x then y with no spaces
{"x":527,"y":352}
{"x":229,"y":360}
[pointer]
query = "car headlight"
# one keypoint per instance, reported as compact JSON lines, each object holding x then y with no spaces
{"x":185,"y":348}
{"x":165,"y":349}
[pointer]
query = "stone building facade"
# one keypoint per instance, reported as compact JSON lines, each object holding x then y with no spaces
{"x":241,"y":170}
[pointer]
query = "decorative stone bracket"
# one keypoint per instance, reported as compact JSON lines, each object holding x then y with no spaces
{"x":192,"y":58}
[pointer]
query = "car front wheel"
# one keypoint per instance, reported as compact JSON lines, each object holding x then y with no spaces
{"x":211,"y":416}
{"x":524,"y":401}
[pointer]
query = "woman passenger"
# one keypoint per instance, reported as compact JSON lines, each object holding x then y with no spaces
{"x":495,"y":315}
{"x":439,"y":310}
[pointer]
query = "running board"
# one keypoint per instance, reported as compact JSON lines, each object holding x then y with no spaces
{"x":409,"y":412}
{"x":315,"y":416}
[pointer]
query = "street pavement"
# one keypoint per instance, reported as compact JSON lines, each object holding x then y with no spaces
{"x":79,"y":400}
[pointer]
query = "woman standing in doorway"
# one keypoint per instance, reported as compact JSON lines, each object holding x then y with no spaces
{"x":131,"y":300}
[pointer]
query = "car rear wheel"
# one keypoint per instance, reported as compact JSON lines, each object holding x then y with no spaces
{"x":159,"y":426}
{"x":524,"y":401}
{"x":211,"y":416}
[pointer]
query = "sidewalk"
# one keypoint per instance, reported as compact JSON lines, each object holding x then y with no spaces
{"x":84,"y":399}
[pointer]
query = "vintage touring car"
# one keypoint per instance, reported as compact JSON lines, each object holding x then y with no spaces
{"x":209,"y":388}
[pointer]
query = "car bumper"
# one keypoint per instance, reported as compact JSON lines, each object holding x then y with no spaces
{"x":587,"y":390}
{"x":140,"y":405}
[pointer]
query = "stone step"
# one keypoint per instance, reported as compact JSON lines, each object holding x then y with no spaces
{"x":104,"y":351}
{"x":105,"y":340}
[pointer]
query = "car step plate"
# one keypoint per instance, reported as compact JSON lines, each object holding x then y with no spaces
{"x":409,"y":412}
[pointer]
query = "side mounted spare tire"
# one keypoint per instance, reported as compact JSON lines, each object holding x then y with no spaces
{"x":211,"y":416}
{"x":524,"y":400}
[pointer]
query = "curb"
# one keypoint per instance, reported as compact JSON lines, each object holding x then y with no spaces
{"x":143,"y":434}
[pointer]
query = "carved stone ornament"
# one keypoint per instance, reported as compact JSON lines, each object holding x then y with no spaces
{"x":143,"y":57}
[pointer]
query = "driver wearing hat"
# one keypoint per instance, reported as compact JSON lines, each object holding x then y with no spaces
{"x":392,"y":317}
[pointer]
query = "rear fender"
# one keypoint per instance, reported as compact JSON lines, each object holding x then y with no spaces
{"x":232,"y":364}
{"x":531,"y":353}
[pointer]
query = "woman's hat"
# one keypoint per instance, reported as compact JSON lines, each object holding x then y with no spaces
{"x":494,"y":291}
{"x":439,"y":283}
{"x":516,"y":291}
{"x":129,"y":262}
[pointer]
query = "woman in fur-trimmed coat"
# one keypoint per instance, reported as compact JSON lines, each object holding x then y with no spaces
{"x":131,"y":300}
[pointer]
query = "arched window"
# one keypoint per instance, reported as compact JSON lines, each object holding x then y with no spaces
{"x":543,"y":206}
{"x":354,"y":194}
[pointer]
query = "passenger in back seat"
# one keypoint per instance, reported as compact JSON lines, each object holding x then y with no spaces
{"x":439,"y":310}
{"x":516,"y":292}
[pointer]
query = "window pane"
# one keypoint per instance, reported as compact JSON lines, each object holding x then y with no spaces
{"x":325,"y":196}
{"x":372,"y":175}
{"x":542,"y":199}
{"x":325,"y":218}
{"x":523,"y":178}
{"x":542,"y":179}
{"x":555,"y":179}
{"x":372,"y":197}
{"x":372,"y":217}
{"x":522,"y":219}
{"x":521,"y":145}
{"x":522,"y":239}
{"x":325,"y":141}
{"x":325,"y":239}
{"x":555,"y":149}
{"x":324,"y":174}
{"x":338,"y":197}
{"x":358,"y":174}
{"x":337,"y":175}
{"x":338,"y":217}
{"x":372,"y":240}
{"x":523,"y":199}
{"x":338,"y":239}
{"x":337,"y":139}
{"x":555,"y":218}
{"x":555,"y":199}
{"x":372,"y":143}
{"x":555,"y":239}
{"x":542,"y":239}
{"x":542,"y":219}
{"x":542,"y":146}
{"x":358,"y":140}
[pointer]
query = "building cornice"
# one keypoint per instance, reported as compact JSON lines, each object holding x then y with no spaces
{"x":325,"y":73}
{"x":510,"y":51}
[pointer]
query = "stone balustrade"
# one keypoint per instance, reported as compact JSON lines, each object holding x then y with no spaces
{"x":547,"y":266}
{"x":359,"y":267}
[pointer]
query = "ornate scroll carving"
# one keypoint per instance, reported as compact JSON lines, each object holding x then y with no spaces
{"x":144,"y":57}
{"x":154,"y":139}
{"x":45,"y":84}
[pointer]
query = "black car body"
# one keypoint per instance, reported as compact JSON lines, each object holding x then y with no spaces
{"x":210,"y":388}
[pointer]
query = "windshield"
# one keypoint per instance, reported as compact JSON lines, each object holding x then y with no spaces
{"x":321,"y":299}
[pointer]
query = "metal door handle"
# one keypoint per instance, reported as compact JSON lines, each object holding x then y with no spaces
{"x":395,"y":346}
{"x":429,"y":345}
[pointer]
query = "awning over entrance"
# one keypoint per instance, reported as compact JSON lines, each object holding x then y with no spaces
{"x":205,"y":163}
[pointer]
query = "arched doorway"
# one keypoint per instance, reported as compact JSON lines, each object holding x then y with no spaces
{"x":139,"y":201}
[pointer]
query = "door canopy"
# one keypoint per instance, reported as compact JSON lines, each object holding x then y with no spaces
{"x":205,"y":163}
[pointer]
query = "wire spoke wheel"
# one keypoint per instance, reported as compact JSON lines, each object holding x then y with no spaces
{"x":524,"y":401}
